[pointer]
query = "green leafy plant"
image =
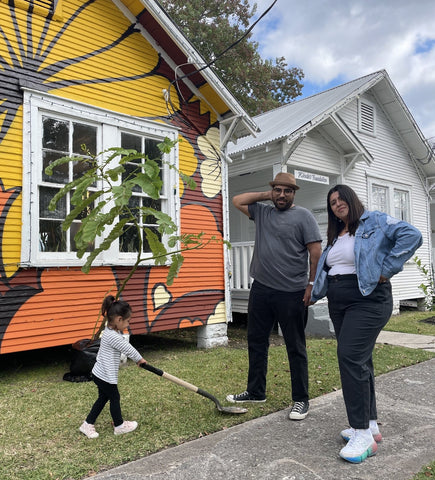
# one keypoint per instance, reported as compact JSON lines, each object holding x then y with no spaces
{"x":427,"y":286}
{"x":102,"y":207}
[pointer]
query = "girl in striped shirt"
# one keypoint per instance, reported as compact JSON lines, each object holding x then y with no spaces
{"x":117,"y":313}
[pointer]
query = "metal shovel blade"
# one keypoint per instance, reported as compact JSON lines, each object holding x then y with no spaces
{"x":193,"y":388}
{"x":235,"y":410}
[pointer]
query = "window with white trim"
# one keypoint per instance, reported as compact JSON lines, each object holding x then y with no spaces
{"x":129,"y":241}
{"x":366,"y":117}
{"x":57,"y":128}
{"x":390,"y":198}
{"x":60,"y":137}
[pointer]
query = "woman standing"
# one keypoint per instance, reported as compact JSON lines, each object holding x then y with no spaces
{"x":364,"y":250}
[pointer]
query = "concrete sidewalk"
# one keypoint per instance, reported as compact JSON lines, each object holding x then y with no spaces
{"x":275,"y":448}
{"x":425,"y":342}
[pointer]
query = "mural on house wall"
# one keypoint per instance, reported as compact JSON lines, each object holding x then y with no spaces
{"x":91,"y":53}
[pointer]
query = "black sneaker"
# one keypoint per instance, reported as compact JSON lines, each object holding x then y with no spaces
{"x":244,"y":397}
{"x":299,"y":411}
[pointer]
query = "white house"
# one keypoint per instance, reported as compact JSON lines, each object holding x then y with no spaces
{"x":360,"y":133}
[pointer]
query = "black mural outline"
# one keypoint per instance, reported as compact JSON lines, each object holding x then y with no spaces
{"x":4,"y":213}
{"x":25,"y":71}
{"x":153,"y":291}
{"x":25,"y":64}
{"x":12,"y":294}
{"x":202,"y":317}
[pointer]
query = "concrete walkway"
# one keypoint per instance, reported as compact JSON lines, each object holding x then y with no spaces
{"x":275,"y":448}
{"x":425,"y":342}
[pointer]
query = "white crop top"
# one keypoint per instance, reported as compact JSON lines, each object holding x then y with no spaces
{"x":341,"y":257}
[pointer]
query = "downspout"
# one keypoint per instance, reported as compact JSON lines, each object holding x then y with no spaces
{"x":225,"y":135}
{"x":226,"y":234}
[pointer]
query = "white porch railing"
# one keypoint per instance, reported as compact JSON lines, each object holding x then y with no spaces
{"x":241,"y":254}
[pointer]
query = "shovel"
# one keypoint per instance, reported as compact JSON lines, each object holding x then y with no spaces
{"x":191,"y":387}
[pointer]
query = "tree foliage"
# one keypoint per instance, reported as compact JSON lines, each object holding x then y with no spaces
{"x":106,"y":212}
{"x":102,"y":208}
{"x":212,"y":26}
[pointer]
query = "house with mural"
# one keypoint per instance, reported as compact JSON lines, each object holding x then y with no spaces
{"x":360,"y":133}
{"x":106,"y":73}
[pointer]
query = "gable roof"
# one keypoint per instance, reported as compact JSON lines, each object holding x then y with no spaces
{"x":191,"y":70}
{"x":299,"y":117}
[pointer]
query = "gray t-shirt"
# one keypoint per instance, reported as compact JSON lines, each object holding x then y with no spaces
{"x":280,"y":258}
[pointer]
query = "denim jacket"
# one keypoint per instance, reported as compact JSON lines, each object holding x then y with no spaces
{"x":382,"y":246}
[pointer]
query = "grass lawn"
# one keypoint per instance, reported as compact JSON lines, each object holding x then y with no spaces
{"x":41,"y":413}
{"x":411,"y":321}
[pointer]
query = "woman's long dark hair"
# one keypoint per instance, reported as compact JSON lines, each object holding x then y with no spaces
{"x":112,"y":308}
{"x":356,"y":209}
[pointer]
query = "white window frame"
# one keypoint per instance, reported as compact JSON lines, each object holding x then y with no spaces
{"x":361,"y":128}
{"x":390,"y":187}
{"x":110,"y":125}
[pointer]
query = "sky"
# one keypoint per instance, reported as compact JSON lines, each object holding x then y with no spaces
{"x":335,"y":41}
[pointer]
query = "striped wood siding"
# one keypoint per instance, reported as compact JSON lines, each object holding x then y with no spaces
{"x":392,"y":164}
{"x":47,"y":307}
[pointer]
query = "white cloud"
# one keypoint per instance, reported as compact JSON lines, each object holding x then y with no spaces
{"x":334,"y":41}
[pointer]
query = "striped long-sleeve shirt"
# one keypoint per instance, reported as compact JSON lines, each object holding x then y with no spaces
{"x":109,"y":355}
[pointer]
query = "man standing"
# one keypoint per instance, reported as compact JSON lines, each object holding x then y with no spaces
{"x":286,"y":235}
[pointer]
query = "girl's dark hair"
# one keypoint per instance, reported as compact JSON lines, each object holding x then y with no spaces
{"x":112,"y":308}
{"x":356,"y":209}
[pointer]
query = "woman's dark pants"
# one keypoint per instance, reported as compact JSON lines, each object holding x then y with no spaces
{"x":107,"y":392}
{"x":266,"y":307}
{"x":357,"y":321}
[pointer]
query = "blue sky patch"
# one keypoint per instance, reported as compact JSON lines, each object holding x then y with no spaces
{"x":425,"y":46}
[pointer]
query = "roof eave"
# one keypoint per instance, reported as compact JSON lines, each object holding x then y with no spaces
{"x":198,"y":61}
{"x":413,"y":136}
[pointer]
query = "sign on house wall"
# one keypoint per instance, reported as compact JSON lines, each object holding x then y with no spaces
{"x":311,"y":177}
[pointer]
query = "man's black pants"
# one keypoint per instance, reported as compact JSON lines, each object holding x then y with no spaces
{"x":266,"y":307}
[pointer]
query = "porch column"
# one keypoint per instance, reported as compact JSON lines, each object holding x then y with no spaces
{"x":214,"y":335}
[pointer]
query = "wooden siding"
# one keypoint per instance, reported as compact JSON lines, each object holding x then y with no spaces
{"x":391,"y":163}
{"x":315,"y":154}
{"x":102,"y":60}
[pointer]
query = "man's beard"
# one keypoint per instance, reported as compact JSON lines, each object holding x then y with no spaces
{"x":284,"y":205}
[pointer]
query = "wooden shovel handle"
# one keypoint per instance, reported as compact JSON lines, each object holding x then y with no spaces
{"x":170,"y":377}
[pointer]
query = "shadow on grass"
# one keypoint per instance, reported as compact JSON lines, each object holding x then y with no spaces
{"x":170,"y":341}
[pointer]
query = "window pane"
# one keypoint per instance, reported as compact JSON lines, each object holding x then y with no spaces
{"x":84,"y":135}
{"x":152,"y":150}
{"x":130,"y":170}
{"x":51,"y":236}
{"x":379,"y":198}
{"x":79,"y":168}
{"x":133,"y":205}
{"x":60,"y":173}
{"x":146,"y":246}
{"x":129,"y":240}
{"x":85,"y":212}
{"x":131,"y":141}
{"x":45,"y":196}
{"x":154,"y":153}
{"x":72,"y":232}
{"x":401,"y":205}
{"x":151,"y":203}
{"x":55,"y":134}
